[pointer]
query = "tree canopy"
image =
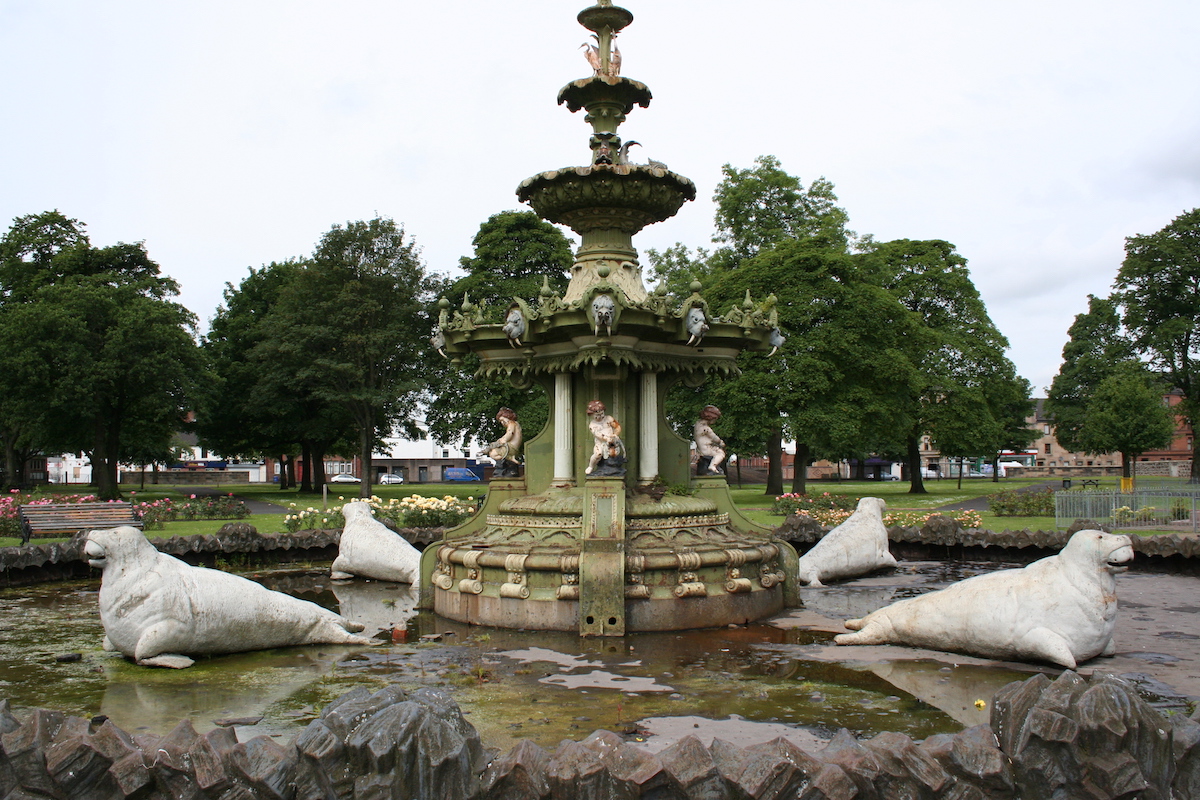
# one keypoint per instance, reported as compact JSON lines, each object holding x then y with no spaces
{"x":1126,"y":415}
{"x":960,"y":354}
{"x":1096,"y":348}
{"x":885,"y":344}
{"x":1158,"y":290}
{"x":515,"y":254}
{"x":349,"y":327}
{"x":98,"y":358}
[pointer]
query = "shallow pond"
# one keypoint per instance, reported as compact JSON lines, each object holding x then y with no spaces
{"x":743,"y":684}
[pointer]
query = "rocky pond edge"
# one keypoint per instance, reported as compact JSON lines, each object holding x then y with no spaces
{"x":1071,"y":737}
{"x":239,"y":542}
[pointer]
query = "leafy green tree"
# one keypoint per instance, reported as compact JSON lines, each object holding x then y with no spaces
{"x":1010,"y":399}
{"x":1158,"y":289}
{"x":1126,"y":415}
{"x":1096,"y":348}
{"x":760,"y":207}
{"x":351,"y":327}
{"x":834,"y":384}
{"x":101,"y":358}
{"x":676,"y":268}
{"x":960,"y":354}
{"x":251,"y":407}
{"x":515,"y":252}
{"x":30,"y":247}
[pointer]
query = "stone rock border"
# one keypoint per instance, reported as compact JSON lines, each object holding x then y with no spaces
{"x":39,"y":563}
{"x":30,"y":564}
{"x":800,"y":530}
{"x":1063,"y":739}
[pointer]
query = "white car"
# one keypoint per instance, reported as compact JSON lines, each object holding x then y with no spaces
{"x":391,"y":478}
{"x":344,"y":477}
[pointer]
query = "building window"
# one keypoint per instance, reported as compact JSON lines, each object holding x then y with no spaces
{"x":445,"y":454}
{"x":1047,"y":449}
{"x":1046,"y":429}
{"x":1041,"y":463}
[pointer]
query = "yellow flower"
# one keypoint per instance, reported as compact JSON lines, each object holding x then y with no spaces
{"x":980,"y":704}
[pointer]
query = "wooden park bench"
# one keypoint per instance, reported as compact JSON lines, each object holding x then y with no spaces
{"x":68,"y":519}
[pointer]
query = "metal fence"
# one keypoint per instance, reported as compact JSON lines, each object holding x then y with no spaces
{"x":1171,"y":485}
{"x":1171,"y":510}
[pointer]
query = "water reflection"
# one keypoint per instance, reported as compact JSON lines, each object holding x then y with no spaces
{"x":743,"y":684}
{"x":379,"y":607}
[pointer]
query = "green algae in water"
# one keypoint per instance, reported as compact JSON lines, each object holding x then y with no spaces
{"x":756,"y":673}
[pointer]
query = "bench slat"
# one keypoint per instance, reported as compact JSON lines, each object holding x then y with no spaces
{"x":52,"y":519}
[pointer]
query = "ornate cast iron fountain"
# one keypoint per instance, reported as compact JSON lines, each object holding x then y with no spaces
{"x":566,"y":547}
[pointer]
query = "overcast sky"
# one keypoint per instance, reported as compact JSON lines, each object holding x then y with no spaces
{"x":1035,"y":136}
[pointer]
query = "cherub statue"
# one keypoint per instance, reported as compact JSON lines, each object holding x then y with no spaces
{"x":505,"y":450}
{"x":709,"y":447}
{"x":608,"y":454}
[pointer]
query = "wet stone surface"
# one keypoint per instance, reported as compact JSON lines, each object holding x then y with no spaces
{"x":744,"y":684}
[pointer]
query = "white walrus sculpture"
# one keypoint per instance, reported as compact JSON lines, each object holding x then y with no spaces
{"x":857,"y":546}
{"x":1061,"y":609}
{"x":159,"y":610}
{"x":370,"y":550}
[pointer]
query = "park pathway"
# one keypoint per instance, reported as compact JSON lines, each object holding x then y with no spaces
{"x":255,"y":506}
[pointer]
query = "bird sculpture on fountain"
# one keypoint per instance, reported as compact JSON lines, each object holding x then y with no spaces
{"x":592,"y":54}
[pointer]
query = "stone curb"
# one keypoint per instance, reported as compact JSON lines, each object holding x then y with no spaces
{"x":43,"y":562}
{"x":1069,"y":738}
{"x":946,"y":532}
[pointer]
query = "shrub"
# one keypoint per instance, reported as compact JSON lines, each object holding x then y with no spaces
{"x":413,"y":511}
{"x":905,"y":519}
{"x":790,"y":503}
{"x":155,"y":513}
{"x":1009,"y":503}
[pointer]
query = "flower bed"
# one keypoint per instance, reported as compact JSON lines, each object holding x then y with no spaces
{"x":830,"y":518}
{"x":155,"y":512}
{"x":790,"y":503}
{"x":831,"y":510}
{"x":413,"y":511}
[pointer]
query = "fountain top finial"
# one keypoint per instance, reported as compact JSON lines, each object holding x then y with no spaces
{"x":605,"y":15}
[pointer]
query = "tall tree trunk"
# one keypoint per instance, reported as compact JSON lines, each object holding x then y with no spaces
{"x":1127,"y":460}
{"x":10,"y":463}
{"x":306,"y":477}
{"x":281,"y":471}
{"x":916,"y":484}
{"x":287,"y":471}
{"x":320,"y":476}
{"x":104,"y":462}
{"x":366,"y":442}
{"x":775,"y":462}
{"x":800,"y":469}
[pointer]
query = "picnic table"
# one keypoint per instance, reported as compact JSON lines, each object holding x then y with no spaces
{"x":67,"y":519}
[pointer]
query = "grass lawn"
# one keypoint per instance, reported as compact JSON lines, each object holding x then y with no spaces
{"x":750,"y":498}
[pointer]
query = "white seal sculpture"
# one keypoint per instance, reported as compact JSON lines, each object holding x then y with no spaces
{"x":370,"y":550}
{"x":857,"y":546}
{"x":159,"y":610}
{"x":1061,"y":609}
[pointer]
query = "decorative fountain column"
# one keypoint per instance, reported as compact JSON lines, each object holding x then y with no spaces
{"x":607,"y":549}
